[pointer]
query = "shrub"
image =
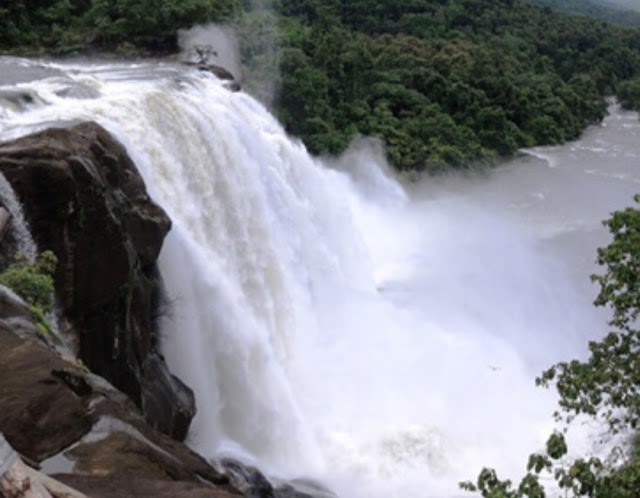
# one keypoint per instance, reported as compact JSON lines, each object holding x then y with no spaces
{"x":33,"y":281}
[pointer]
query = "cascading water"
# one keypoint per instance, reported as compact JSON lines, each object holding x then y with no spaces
{"x":332,"y":324}
{"x":19,"y":229}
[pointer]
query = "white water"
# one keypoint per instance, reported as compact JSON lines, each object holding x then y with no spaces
{"x":334,"y":324}
{"x":18,"y":225}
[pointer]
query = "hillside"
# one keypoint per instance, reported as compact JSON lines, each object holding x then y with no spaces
{"x":445,"y":84}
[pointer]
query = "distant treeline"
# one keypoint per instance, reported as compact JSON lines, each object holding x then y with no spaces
{"x":445,"y":83}
{"x":68,"y":26}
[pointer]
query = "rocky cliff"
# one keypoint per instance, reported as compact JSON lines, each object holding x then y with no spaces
{"x":74,"y":425}
{"x":109,"y":421}
{"x":85,"y":200}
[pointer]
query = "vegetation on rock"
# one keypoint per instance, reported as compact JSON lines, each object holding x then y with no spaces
{"x":32,"y":281}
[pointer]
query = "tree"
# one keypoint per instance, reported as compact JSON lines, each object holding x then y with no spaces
{"x":629,"y":94}
{"x":606,"y":386}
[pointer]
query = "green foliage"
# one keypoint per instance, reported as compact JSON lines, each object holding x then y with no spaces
{"x":64,"y":26}
{"x":444,"y":84}
{"x":151,"y":24}
{"x":32,"y":281}
{"x":629,"y":94}
{"x":605,"y":386}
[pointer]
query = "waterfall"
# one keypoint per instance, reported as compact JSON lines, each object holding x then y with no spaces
{"x":19,"y":229}
{"x":331,"y":323}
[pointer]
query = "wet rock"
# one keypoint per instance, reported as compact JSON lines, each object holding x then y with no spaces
{"x":17,"y":100}
{"x":254,"y":484}
{"x":85,"y":200}
{"x":12,"y":306}
{"x":303,"y":488}
{"x":39,"y":415}
{"x":122,"y":453}
{"x":160,"y":389}
{"x":127,"y":487}
{"x":78,"y":91}
{"x":219,"y":72}
{"x":288,"y":491}
{"x":249,"y":480}
{"x":230,"y":81}
{"x":68,"y":420}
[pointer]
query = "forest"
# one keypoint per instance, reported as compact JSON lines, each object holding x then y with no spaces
{"x":444,"y":83}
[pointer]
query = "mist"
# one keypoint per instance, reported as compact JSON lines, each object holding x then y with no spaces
{"x":219,"y":41}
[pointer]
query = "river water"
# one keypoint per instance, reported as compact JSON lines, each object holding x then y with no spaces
{"x":335,"y":323}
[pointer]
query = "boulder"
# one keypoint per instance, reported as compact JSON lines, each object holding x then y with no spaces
{"x":229,"y":80}
{"x":219,"y":72}
{"x":85,"y":200}
{"x":126,"y":487}
{"x":254,"y":484}
{"x":66,"y":420}
{"x":40,"y":415}
{"x":302,"y":488}
{"x":12,"y":306}
{"x":247,"y":479}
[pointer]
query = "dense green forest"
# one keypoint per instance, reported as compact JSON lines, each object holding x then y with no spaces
{"x":445,"y":83}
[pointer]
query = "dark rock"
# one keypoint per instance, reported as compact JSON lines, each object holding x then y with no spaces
{"x":39,"y":415}
{"x":12,"y":306}
{"x":122,"y":453}
{"x":52,"y":410}
{"x":230,"y":81}
{"x":254,"y":484}
{"x":129,"y":486}
{"x":303,"y":488}
{"x":159,"y":390}
{"x":247,"y":479}
{"x":85,"y":200}
{"x":219,"y":72}
{"x":234,"y":86}
{"x":18,"y":99}
{"x":288,"y":491}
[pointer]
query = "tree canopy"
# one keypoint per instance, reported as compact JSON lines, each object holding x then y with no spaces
{"x":445,"y":83}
